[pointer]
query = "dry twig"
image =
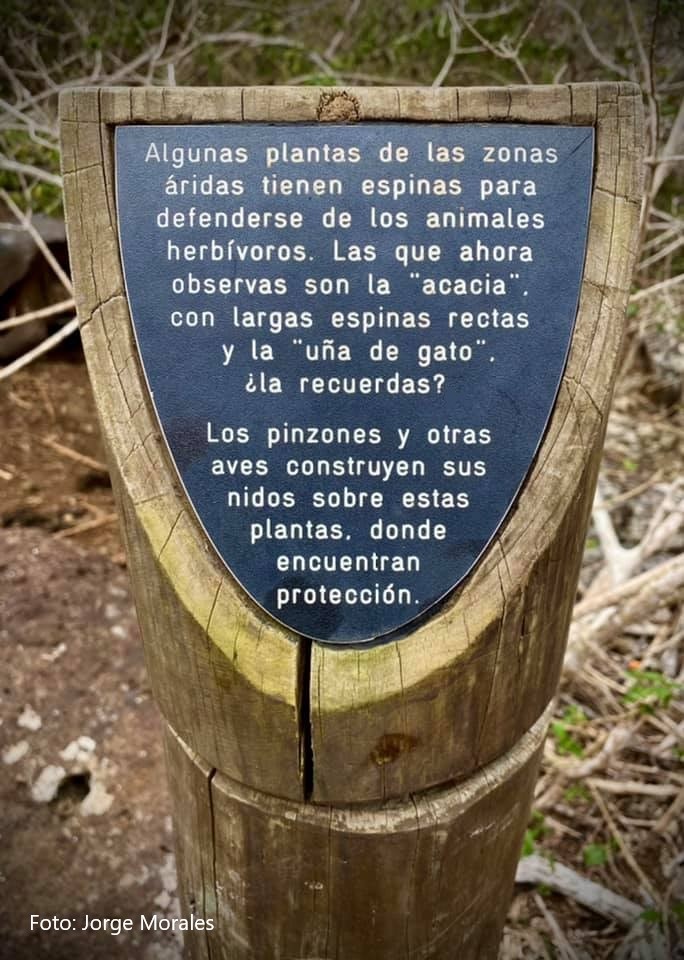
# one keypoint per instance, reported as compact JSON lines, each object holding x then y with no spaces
{"x":538,"y":870}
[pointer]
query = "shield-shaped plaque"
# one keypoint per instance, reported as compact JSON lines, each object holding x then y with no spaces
{"x":354,"y":337}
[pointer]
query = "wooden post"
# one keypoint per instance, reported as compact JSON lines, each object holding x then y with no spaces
{"x":353,"y":802}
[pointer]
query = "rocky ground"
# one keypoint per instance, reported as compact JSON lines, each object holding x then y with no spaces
{"x":85,"y":826}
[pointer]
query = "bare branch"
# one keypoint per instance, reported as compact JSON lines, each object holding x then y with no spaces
{"x":337,"y":39}
{"x":454,"y":38}
{"x":38,"y":351}
{"x":38,"y":240}
{"x":536,"y":869}
{"x":656,"y":288}
{"x":163,"y":39}
{"x":52,"y":311}
{"x":503,"y":49}
{"x":565,"y":951}
{"x":36,"y":173}
{"x":671,"y":153}
{"x":600,"y":57}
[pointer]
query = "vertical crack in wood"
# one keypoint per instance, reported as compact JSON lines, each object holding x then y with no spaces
{"x":217,"y":915}
{"x":170,"y":534}
{"x":211,"y":661}
{"x":412,"y":882}
{"x":404,"y":716}
{"x":306,"y":758}
{"x":328,"y":884}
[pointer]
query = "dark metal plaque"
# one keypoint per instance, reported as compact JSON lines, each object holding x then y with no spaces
{"x":354,"y":338}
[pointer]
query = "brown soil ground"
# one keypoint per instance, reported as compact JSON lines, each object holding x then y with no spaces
{"x":85,"y":825}
{"x":41,"y":486}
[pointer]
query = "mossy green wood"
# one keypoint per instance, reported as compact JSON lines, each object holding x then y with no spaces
{"x":448,"y":698}
{"x":225,"y":676}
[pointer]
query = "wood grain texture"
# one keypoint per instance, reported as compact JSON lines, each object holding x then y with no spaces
{"x":460,"y":690}
{"x":224,"y":675}
{"x":251,"y":699}
{"x":286,"y":881}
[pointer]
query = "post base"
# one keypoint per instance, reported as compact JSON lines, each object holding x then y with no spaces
{"x":427,"y":878}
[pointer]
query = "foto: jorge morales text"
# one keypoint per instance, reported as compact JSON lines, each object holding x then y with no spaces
{"x":117,"y":925}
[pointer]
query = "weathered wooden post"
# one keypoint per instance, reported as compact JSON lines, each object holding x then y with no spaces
{"x":353,"y":354}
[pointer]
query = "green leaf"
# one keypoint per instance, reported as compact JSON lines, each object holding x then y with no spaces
{"x":596,"y":854}
{"x":566,"y":744}
{"x":536,"y":830}
{"x":528,"y":844}
{"x":652,"y":916}
{"x":650,"y":689}
{"x":577,"y":793}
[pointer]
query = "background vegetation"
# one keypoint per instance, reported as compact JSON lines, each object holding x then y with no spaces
{"x":611,"y":794}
